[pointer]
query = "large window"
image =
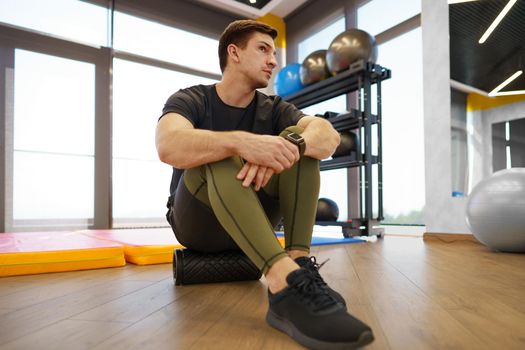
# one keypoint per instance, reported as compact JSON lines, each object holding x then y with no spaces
{"x":140,"y":181}
{"x":54,"y":112}
{"x":377,"y":16}
{"x":71,"y":19}
{"x":151,"y":39}
{"x":333,"y":182}
{"x":321,"y":39}
{"x":403,"y":138}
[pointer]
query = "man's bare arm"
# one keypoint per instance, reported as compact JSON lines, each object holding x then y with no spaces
{"x":182,"y":146}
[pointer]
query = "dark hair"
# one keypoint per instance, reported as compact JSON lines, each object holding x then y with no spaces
{"x":238,"y":33}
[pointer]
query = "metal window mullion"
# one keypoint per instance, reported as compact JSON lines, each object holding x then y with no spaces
{"x":103,"y":218}
{"x":128,"y":56}
{"x":399,"y":29}
{"x":367,"y":91}
{"x":31,"y":40}
{"x":379,"y":152}
{"x":7,"y":63}
{"x":353,"y":174}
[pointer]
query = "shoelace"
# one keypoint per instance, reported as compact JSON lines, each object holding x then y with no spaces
{"x":315,"y":267}
{"x":309,"y":290}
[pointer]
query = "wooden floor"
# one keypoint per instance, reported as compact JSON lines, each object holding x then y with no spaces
{"x":414,"y":295}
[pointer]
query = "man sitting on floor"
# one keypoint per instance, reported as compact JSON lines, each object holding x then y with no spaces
{"x":242,"y":161}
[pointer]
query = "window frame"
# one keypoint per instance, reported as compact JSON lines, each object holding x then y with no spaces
{"x":14,"y":37}
{"x":11,"y":38}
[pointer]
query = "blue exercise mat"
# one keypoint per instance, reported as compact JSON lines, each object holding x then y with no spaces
{"x":329,"y":240}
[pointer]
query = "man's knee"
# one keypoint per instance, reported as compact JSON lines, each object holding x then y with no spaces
{"x":234,"y":164}
{"x":224,"y":171}
{"x":195,"y":177}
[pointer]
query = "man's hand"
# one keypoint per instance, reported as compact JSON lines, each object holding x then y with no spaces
{"x":320,"y":137}
{"x":267,"y":151}
{"x":257,"y":174}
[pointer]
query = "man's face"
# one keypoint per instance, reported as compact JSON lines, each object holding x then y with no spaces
{"x":257,"y":59}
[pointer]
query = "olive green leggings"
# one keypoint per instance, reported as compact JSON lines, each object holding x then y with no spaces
{"x":240,"y":212}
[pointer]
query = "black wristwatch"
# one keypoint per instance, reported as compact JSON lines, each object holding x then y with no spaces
{"x":298,"y":140}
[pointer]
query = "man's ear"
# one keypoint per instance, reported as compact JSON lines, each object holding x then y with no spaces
{"x":233,"y":52}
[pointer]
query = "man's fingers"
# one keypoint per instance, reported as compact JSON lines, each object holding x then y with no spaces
{"x":288,"y":156}
{"x":252,"y":171}
{"x":294,"y":151}
{"x":267,"y":176}
{"x":277,"y":167}
{"x":287,"y":159}
{"x":269,"y":151}
{"x":290,"y":151}
{"x":244,"y":170}
{"x":279,"y":155}
{"x":259,"y":179}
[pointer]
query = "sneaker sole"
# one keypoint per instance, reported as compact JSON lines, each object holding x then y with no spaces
{"x":285,"y":326}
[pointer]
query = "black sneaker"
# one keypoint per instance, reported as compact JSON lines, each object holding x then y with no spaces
{"x":311,"y":264}
{"x":308,"y":313}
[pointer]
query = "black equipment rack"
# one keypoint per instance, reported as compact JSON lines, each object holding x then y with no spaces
{"x":360,"y":77}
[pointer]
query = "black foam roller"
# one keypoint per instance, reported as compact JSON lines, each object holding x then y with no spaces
{"x":191,"y":267}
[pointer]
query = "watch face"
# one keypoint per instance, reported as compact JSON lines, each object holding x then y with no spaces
{"x":295,"y":137}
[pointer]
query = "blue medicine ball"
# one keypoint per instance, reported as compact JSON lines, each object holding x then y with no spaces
{"x":288,"y":80}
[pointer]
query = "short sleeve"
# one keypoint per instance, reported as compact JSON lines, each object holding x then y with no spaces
{"x":187,"y":103}
{"x":285,"y":114}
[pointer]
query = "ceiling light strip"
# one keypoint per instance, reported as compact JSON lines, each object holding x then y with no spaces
{"x":505,"y":83}
{"x":466,"y":88}
{"x":452,"y":2}
{"x":498,"y":19}
{"x":509,"y":93}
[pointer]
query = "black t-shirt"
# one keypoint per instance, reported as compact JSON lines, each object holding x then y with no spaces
{"x":202,"y":106}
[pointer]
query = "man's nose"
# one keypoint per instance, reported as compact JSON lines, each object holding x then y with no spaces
{"x":273,"y":61}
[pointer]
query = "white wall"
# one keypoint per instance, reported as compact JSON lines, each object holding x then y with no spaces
{"x":497,"y":115}
{"x":476,"y":148}
{"x":480,"y":138}
{"x":443,"y":213}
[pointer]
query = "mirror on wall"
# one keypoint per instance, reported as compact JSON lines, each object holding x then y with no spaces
{"x":487,"y":62}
